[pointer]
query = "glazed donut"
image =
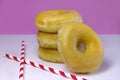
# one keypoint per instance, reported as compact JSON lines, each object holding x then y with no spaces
{"x":49,"y":55}
{"x":51,"y":20}
{"x":71,"y":38}
{"x":47,"y":40}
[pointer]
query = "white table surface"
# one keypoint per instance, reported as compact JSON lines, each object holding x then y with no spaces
{"x":9,"y":69}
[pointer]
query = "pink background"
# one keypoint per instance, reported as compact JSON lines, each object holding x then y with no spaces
{"x":17,"y":16}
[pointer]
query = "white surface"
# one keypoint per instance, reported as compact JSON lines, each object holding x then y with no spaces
{"x":9,"y":69}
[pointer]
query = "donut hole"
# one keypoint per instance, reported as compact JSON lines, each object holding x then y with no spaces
{"x":63,"y":12}
{"x":59,"y":12}
{"x":42,"y":22}
{"x":81,"y":46}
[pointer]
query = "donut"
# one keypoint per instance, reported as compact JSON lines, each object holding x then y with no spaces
{"x":51,"y":20}
{"x":50,"y":55}
{"x":80,"y":47}
{"x":47,"y":40}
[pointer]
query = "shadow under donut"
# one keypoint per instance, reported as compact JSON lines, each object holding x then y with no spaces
{"x":104,"y":67}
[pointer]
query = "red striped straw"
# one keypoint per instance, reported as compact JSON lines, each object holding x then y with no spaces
{"x":50,"y":69}
{"x":22,"y":58}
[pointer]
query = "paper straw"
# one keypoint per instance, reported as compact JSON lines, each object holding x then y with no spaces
{"x":45,"y":68}
{"x":22,"y":58}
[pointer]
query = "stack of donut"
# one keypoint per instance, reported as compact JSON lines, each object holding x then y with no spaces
{"x":48,"y":23}
{"x":64,"y":38}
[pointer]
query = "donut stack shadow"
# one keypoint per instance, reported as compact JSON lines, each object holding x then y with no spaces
{"x":48,"y":23}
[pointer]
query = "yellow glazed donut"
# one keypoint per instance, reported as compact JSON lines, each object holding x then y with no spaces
{"x":49,"y":55}
{"x":47,"y":40}
{"x":80,"y":47}
{"x":51,"y":20}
